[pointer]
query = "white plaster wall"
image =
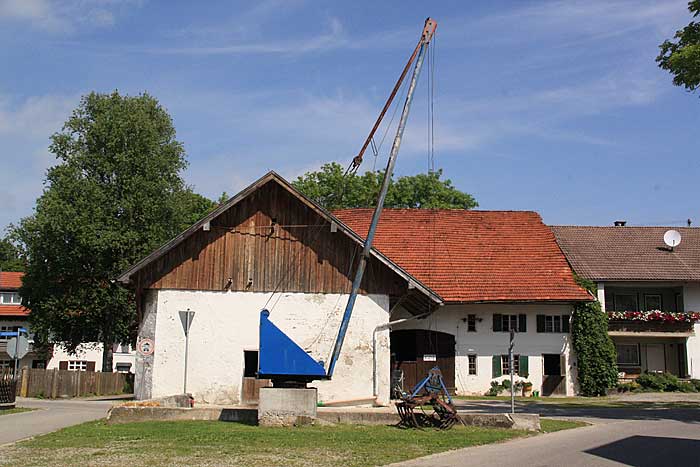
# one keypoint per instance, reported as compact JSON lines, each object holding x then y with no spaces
{"x":485,"y":343}
{"x":691,"y":302}
{"x":91,"y":351}
{"x":227,"y":323}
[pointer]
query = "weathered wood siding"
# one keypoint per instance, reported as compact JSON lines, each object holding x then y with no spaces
{"x":298,"y":254}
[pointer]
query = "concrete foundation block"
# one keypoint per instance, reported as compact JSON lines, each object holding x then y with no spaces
{"x":287,"y":406}
{"x":527,"y":422}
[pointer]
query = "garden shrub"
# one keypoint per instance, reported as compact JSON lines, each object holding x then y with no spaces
{"x":628,"y":387}
{"x":595,"y":351}
{"x":665,"y":382}
{"x":696,"y":384}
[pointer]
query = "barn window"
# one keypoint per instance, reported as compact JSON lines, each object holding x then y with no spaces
{"x":78,"y":365}
{"x":505,"y":364}
{"x":471,"y":323}
{"x":472,"y":364}
{"x":250,"y":361}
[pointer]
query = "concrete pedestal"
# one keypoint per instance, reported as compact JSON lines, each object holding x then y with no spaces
{"x":287,"y":406}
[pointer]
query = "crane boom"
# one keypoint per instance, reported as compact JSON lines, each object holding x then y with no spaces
{"x":419,"y":55}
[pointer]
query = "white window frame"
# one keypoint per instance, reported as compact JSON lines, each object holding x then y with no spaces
{"x":505,"y":360}
{"x":472,"y":362}
{"x":509,"y":322}
{"x":552,"y":323}
{"x":77,"y":365}
{"x":10,"y":298}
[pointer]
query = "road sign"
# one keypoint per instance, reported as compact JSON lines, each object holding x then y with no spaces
{"x":186,"y":317}
{"x":17,"y":347}
{"x":145,"y":347}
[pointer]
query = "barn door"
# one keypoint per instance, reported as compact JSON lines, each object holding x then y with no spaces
{"x":415,"y":352}
{"x":554,"y":376}
{"x":250,"y":389}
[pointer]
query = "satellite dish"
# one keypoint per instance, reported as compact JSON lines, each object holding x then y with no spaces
{"x":672,"y":238}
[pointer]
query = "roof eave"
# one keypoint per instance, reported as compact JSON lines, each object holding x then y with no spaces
{"x":126,"y":276}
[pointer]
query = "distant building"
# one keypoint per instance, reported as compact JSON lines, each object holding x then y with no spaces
{"x":651,"y":293}
{"x":88,"y":357}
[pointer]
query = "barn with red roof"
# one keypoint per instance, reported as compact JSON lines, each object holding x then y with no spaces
{"x":442,"y":287}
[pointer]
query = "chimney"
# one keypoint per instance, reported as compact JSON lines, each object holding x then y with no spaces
{"x":620,"y":223}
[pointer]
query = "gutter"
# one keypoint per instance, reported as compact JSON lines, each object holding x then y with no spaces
{"x":383,"y":327}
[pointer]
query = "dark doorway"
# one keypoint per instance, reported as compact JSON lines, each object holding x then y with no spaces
{"x":415,"y":352}
{"x":553,"y":380}
{"x":250,"y":392}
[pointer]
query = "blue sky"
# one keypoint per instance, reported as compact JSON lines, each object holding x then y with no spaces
{"x":556,"y":107}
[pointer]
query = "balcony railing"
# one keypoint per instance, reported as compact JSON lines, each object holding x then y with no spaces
{"x":615,"y":325}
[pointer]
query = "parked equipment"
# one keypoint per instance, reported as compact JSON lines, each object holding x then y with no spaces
{"x":285,"y":362}
{"x":431,"y":391}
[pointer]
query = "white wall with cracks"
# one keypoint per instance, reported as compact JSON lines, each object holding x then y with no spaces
{"x":226,"y":324}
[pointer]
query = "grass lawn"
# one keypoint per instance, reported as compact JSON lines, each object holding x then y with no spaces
{"x":204,"y":443}
{"x":550,"y":425}
{"x":15,"y":410}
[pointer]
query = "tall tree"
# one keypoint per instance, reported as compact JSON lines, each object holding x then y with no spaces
{"x":681,"y":57}
{"x":10,"y":256}
{"x":330,"y":188}
{"x":115,"y":194}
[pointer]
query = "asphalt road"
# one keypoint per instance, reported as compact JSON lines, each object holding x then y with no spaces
{"x":629,"y":437}
{"x":50,"y":416}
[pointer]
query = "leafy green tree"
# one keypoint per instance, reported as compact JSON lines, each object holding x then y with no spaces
{"x":115,"y":195}
{"x":682,"y":56}
{"x":330,"y":188}
{"x":10,"y":256}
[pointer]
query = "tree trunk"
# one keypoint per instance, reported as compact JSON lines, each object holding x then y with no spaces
{"x":107,"y":357}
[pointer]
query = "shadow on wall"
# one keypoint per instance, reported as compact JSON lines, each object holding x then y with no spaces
{"x":650,"y":451}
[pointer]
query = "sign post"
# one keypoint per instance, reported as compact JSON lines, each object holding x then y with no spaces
{"x":17,"y":348}
{"x":511,"y":368}
{"x":186,"y":318}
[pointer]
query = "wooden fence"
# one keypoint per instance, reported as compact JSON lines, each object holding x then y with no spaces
{"x":53,"y":384}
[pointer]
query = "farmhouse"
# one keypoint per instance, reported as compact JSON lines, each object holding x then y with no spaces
{"x":13,"y":316}
{"x":456,"y":281}
{"x":650,"y":291}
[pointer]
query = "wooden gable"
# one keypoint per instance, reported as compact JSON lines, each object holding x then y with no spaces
{"x":269,"y":240}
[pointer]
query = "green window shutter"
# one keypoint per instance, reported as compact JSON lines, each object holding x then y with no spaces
{"x":540,"y":323}
{"x":497,"y":322}
{"x":524,"y":370}
{"x":522,"y":323}
{"x":565,"y":323}
{"x":496,"y":366}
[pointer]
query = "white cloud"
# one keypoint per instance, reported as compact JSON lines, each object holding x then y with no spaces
{"x":36,"y":116}
{"x":25,"y":129}
{"x":65,"y":16}
{"x":333,"y":38}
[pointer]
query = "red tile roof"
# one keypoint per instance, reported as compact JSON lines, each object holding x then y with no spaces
{"x":473,"y":256}
{"x":13,"y":310}
{"x":10,"y":280}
